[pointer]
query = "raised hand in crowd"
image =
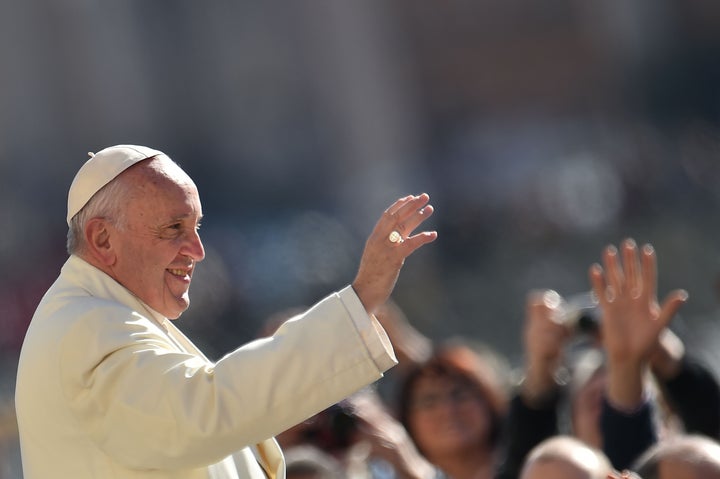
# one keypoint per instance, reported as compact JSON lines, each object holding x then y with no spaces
{"x":632,"y":323}
{"x":633,"y":320}
{"x":544,"y":338}
{"x":533,"y":415}
{"x":379,"y":436}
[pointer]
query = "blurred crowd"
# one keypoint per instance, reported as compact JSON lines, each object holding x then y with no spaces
{"x":541,"y":131}
{"x":607,"y":389}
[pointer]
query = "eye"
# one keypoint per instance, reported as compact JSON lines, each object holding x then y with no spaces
{"x":172,"y":230}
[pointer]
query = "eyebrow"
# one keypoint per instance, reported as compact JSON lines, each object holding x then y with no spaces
{"x":182,"y":218}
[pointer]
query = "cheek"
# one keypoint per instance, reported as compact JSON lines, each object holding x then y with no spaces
{"x":422,"y":428}
{"x":144,"y":270}
{"x":416,"y":422}
{"x":481,"y":418}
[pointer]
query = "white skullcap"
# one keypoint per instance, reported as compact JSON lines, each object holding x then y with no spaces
{"x":100,"y":169}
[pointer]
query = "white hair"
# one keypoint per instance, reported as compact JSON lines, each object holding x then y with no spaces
{"x":106,"y":203}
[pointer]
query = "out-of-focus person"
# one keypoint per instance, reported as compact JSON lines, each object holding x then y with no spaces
{"x":453,"y":406}
{"x":632,"y":325}
{"x":683,"y":456}
{"x":675,"y":397}
{"x":535,"y":408}
{"x":566,"y":457}
{"x":309,"y":462}
{"x":363,"y":437}
{"x":359,"y":432}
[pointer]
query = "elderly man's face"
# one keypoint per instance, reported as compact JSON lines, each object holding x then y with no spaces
{"x":158,"y":247}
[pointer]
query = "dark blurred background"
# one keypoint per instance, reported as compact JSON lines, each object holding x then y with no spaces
{"x":541,"y":130}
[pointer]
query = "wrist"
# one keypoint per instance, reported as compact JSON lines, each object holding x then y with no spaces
{"x":625,"y":385}
{"x":538,"y":390}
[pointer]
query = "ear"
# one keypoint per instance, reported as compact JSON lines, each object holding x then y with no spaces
{"x":98,"y":239}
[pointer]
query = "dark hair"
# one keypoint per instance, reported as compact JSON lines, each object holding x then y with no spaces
{"x":457,"y":360}
{"x":309,"y":460}
{"x":333,"y":429}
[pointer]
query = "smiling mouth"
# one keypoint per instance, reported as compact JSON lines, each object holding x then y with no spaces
{"x":181,"y":273}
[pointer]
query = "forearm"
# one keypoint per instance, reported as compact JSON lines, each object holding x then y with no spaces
{"x":626,"y":434}
{"x":626,"y":420}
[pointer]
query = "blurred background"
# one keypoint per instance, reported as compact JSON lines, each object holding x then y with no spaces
{"x":541,"y":130}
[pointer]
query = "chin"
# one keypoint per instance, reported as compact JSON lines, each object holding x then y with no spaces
{"x":177,"y":313}
{"x":177,"y":308}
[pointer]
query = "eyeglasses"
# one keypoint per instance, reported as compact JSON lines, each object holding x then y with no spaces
{"x":456,"y":395}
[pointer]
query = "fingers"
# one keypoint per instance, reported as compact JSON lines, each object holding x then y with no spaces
{"x":613,"y":271}
{"x":597,"y":283}
{"x":407,"y":226}
{"x":404,"y":207}
{"x":545,"y":305}
{"x":545,"y":331}
{"x":632,"y":272}
{"x":671,"y":305}
{"x":625,"y":474}
{"x":635,"y":276}
{"x":403,"y":217}
{"x":414,"y":242}
{"x":399,"y":203}
{"x":649,"y":266}
{"x":406,"y":214}
{"x":389,"y":244}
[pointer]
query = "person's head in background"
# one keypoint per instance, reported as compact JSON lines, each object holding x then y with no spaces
{"x":681,"y":457}
{"x":586,"y":390}
{"x":309,"y":462}
{"x":453,"y":404}
{"x":566,"y":457}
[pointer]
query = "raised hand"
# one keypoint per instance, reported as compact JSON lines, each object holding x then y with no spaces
{"x":632,"y":318}
{"x":387,"y":438}
{"x":544,"y":339}
{"x":391,"y":241}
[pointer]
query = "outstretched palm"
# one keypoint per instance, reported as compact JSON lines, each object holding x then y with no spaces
{"x":632,"y":317}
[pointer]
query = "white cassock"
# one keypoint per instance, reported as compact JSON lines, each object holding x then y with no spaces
{"x":109,"y":389}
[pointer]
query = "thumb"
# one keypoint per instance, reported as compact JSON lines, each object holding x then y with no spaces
{"x":671,"y":304}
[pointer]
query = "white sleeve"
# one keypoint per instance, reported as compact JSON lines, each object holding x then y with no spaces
{"x":149,"y":405}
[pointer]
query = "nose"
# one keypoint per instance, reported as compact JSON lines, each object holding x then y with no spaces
{"x":193,"y":247}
